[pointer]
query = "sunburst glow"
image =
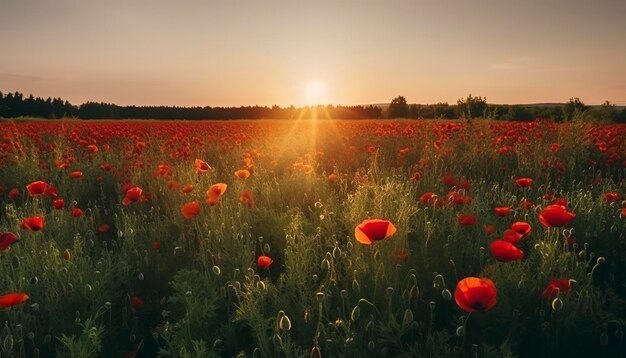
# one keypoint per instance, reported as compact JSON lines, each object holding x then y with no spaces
{"x":315,"y":92}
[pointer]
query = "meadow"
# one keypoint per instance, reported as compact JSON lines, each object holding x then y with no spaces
{"x":312,"y":239}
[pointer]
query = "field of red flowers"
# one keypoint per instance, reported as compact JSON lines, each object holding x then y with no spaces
{"x":312,"y":238}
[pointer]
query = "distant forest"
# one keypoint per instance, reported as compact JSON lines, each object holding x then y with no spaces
{"x":13,"y":105}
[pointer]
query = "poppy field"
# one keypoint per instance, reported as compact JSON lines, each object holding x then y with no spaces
{"x":312,"y":238}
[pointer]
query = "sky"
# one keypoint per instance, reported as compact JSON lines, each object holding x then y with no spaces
{"x":348,"y":52}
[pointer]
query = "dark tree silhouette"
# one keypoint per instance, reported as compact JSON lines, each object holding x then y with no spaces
{"x":398,"y":108}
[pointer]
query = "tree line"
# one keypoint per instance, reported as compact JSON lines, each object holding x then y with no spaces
{"x":477,"y":107}
{"x":14,"y":105}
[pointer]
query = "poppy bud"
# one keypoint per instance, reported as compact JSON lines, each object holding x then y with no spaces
{"x":460,"y":331}
{"x":285,"y":323}
{"x":67,"y":255}
{"x":557,"y":304}
{"x":356,"y":313}
{"x":408,"y":317}
{"x":446,"y":294}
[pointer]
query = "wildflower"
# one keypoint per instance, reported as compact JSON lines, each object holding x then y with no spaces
{"x":264,"y":262}
{"x":505,"y":251}
{"x":76,"y":175}
{"x":512,"y":236}
{"x":502,"y":211}
{"x":246,"y":199}
{"x":521,"y":227}
{"x":215,"y":192}
{"x":555,"y":216}
{"x":187,"y":189}
{"x":58,"y":203}
{"x":77,"y":212}
{"x":523,"y":182}
{"x":475,"y":294}
{"x":191,"y":209}
{"x":201,"y":166}
{"x":242,"y":174}
{"x":561,"y":285}
{"x":132,"y":195}
{"x":103,"y":228}
{"x":35,"y":223}
{"x":370,"y":231}
{"x":489,"y":229}
{"x":136,"y":302}
{"x":467,"y":219}
{"x":7,"y":239}
{"x":12,"y":299}
{"x":332,"y":178}
{"x":13,"y":194}
{"x":36,"y":188}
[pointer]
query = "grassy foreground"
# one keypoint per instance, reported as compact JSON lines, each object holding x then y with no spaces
{"x":251,"y":239}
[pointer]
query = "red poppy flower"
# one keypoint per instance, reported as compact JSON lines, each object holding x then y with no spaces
{"x":246,"y":199}
{"x":428,"y":197}
{"x":58,"y":203}
{"x":12,"y":299}
{"x":106,"y":166}
{"x":502,"y":211}
{"x":136,"y":302}
{"x":489,"y":229}
{"x":475,"y":294}
{"x":264,"y":262}
{"x":77,"y":212}
{"x":13,"y":194}
{"x":523,"y":182}
{"x":448,"y":180}
{"x":36,"y":188}
{"x":370,"y":231}
{"x":555,"y":216}
{"x":561,"y":285}
{"x":156,"y":244}
{"x":307,"y":169}
{"x":187,"y":189}
{"x":611,"y":196}
{"x":103,"y":228}
{"x":467,"y":219}
{"x":242,"y":174}
{"x":512,"y":236}
{"x":132,"y":195}
{"x":555,"y":147}
{"x":35,"y":223}
{"x":201,"y":166}
{"x":76,"y":175}
{"x":92,"y":148}
{"x":51,"y":191}
{"x":190,"y":210}
{"x":522,"y":227}
{"x":505,"y":251}
{"x":465,"y":184}
{"x":7,"y":239}
{"x":332,"y":178}
{"x":214,"y":193}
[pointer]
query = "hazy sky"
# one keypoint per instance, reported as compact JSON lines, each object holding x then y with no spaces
{"x":231,"y":53}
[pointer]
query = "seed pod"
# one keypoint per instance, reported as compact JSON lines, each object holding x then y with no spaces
{"x":460,"y":331}
{"x":216,"y":270}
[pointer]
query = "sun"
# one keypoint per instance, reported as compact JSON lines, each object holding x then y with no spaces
{"x":315,"y":92}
